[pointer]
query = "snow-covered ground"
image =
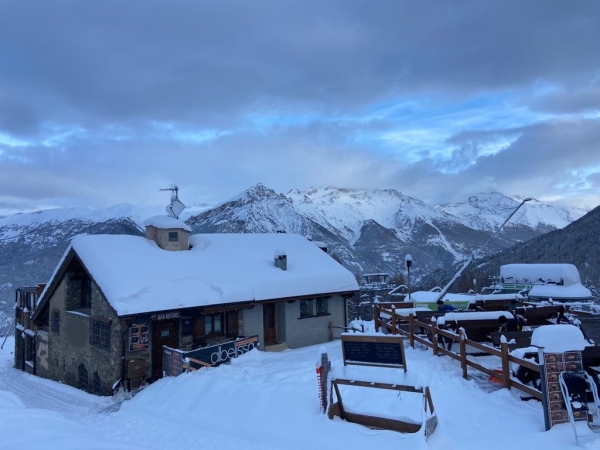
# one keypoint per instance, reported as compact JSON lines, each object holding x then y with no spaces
{"x":269,"y":401}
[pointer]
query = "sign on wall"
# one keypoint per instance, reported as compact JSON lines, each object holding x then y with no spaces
{"x":174,"y":361}
{"x":218,"y":354}
{"x":166,"y":315}
{"x":138,"y":336}
{"x":373,"y":350}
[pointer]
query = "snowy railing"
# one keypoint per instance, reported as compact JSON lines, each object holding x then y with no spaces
{"x":437,"y":336}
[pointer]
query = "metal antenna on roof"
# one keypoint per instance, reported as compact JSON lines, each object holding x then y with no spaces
{"x":176,"y":207}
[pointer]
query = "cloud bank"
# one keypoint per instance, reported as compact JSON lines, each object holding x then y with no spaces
{"x":105,"y":102}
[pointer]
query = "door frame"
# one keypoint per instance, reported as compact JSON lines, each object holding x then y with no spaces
{"x":273,"y":306}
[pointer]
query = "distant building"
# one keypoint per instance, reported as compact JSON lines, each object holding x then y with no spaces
{"x":559,"y":282}
{"x":115,"y":301}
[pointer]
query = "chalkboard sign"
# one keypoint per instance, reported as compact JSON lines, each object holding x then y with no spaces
{"x":384,"y":351}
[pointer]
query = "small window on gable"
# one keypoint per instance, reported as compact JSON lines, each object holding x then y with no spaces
{"x":173,"y":236}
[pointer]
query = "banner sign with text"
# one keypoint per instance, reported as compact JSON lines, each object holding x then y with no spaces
{"x":209,"y":356}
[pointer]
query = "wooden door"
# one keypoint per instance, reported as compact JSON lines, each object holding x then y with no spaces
{"x":164,"y":333}
{"x":270,"y":323}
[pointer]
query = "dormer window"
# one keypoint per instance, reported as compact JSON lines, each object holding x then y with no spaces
{"x":173,"y":236}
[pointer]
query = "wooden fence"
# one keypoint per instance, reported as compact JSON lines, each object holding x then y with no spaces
{"x":391,"y":317}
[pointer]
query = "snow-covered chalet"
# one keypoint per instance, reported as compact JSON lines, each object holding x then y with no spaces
{"x":115,"y":303}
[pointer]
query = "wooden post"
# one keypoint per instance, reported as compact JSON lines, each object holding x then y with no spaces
{"x":505,"y":365}
{"x":394,"y":331}
{"x":376,"y":316}
{"x":429,"y":400}
{"x":463,"y":353}
{"x":434,"y":336}
{"x":411,"y":329}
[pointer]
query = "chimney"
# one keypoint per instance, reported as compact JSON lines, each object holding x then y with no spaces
{"x":280,"y":259}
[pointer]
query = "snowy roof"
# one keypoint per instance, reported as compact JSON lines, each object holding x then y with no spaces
{"x":574,"y":291}
{"x":558,"y":338}
{"x":137,"y":276}
{"x":540,"y":273}
{"x":431,"y":296}
{"x":166,"y":222}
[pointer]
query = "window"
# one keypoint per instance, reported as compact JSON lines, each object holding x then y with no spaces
{"x":306,"y":308}
{"x":173,"y":236}
{"x":100,"y":334}
{"x":318,"y":306}
{"x":321,"y":305}
{"x":83,"y":378}
{"x":213,"y":324}
{"x":55,"y":323}
{"x":187,"y":327}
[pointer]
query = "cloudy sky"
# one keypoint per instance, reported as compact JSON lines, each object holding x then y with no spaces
{"x":105,"y":102}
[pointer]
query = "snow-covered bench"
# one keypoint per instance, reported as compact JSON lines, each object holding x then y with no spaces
{"x":515,"y":339}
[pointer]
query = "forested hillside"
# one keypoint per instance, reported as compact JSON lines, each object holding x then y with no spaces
{"x":577,"y":243}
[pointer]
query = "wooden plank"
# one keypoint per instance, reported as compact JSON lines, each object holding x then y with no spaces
{"x":590,"y":326}
{"x":382,"y":423}
{"x":429,"y":400}
{"x":505,"y":365}
{"x":339,"y":397}
{"x":481,"y":368}
{"x":524,"y":363}
{"x":522,"y":338}
{"x":377,"y":385}
{"x":527,"y":389}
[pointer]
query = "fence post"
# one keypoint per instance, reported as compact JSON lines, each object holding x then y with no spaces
{"x":376,"y":315}
{"x":394,"y":331}
{"x":505,"y":365}
{"x":434,"y":336}
{"x":463,"y":353}
{"x":411,"y":329}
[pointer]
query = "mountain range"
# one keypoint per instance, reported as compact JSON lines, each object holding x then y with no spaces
{"x":366,"y":230}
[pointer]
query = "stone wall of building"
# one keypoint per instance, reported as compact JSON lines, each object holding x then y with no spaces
{"x":71,"y":357}
{"x":161,"y":237}
{"x":41,"y":354}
